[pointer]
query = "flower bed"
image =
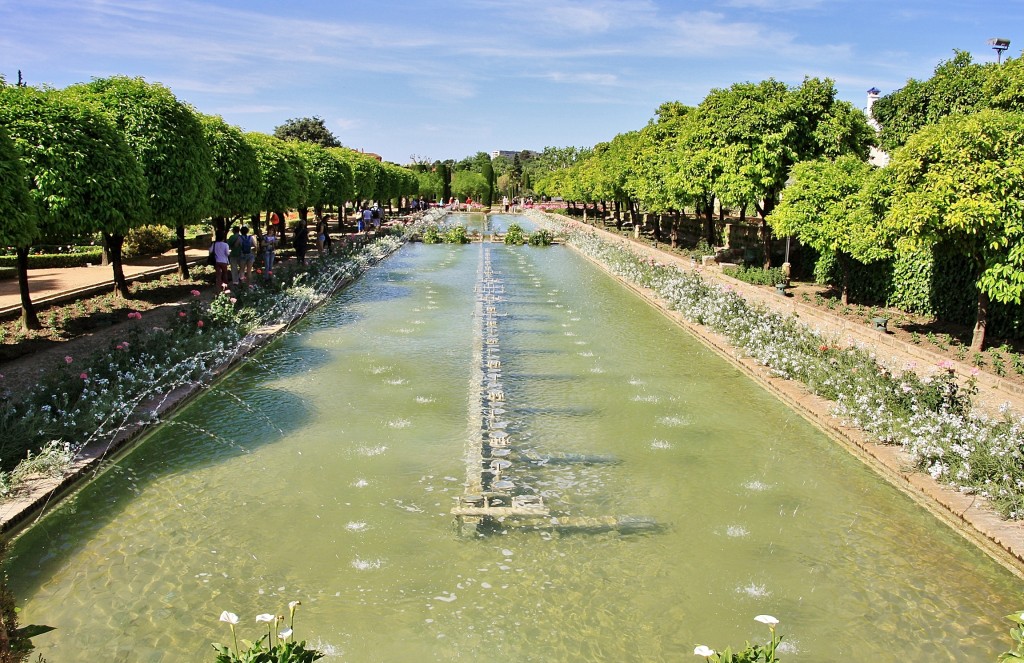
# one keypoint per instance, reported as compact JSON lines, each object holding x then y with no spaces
{"x":931,"y":417}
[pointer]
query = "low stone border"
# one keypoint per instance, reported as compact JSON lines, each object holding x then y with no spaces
{"x":39,"y":495}
{"x":967,"y":514}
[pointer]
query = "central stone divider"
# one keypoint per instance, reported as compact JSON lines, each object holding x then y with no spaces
{"x":490,"y":499}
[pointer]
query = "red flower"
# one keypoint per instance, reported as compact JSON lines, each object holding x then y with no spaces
{"x":823,"y":348}
{"x":199,"y":324}
{"x":84,"y":376}
{"x":182,"y":314}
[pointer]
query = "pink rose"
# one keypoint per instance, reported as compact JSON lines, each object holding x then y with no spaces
{"x":195,"y":293}
{"x":84,"y":376}
{"x":68,"y":359}
{"x":199,"y":324}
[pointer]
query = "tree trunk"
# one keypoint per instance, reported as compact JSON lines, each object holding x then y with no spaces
{"x":743,"y":213}
{"x":29,"y":319}
{"x":844,"y":277}
{"x":766,"y":237}
{"x":114,"y":243}
{"x":618,"y":214}
{"x":105,"y":255}
{"x":182,"y":258}
{"x":220,"y":226}
{"x":709,"y":223}
{"x":584,"y":212}
{"x":980,"y":323}
{"x":673,"y":233}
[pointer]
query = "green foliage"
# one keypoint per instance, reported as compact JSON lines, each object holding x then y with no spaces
{"x":367,"y":174}
{"x":468,"y":184}
{"x":1017,"y":634}
{"x":282,"y":183}
{"x":260,"y":652}
{"x":16,"y":207}
{"x":756,"y":275}
{"x":311,"y":130}
{"x":540,"y":237}
{"x":432,"y":235}
{"x":168,"y":141}
{"x":515,"y":236}
{"x":959,"y":182}
{"x":148,"y":241}
{"x":237,"y":184}
{"x":85,"y":176}
{"x":456,"y":235}
{"x":958,"y":86}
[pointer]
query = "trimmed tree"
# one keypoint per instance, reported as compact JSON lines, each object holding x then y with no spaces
{"x":18,"y":212}
{"x":237,"y":186}
{"x":282,"y":187}
{"x":961,"y":181}
{"x":84,"y":177}
{"x":168,"y":141}
{"x":823,"y":207}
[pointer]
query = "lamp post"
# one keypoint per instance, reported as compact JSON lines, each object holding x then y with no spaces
{"x":999,"y":45}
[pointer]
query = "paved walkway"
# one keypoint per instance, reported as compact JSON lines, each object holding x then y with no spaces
{"x":46,"y":285}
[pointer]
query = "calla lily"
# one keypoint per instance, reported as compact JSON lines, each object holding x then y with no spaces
{"x":265,"y":617}
{"x":285,"y":634}
{"x":703,"y":650}
{"x":766,"y":619}
{"x":294,"y":604}
{"x":229,"y":617}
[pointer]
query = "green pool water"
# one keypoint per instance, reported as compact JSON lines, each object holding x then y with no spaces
{"x":324,"y":470}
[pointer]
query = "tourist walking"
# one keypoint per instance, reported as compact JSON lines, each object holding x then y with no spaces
{"x":300,"y":240}
{"x":365,"y":218}
{"x":221,"y":257}
{"x":235,"y":254}
{"x":327,"y":238}
{"x":269,"y":245}
{"x":247,"y":253}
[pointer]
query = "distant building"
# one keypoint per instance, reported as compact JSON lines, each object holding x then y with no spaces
{"x":369,"y":154}
{"x":876,"y":157}
{"x":511,"y":154}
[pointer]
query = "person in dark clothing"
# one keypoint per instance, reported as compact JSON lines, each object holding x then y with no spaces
{"x":300,"y":240}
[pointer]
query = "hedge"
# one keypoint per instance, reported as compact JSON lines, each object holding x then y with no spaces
{"x":54,"y":260}
{"x":936,"y":282}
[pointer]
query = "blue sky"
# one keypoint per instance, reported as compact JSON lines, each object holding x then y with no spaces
{"x":447,"y":79}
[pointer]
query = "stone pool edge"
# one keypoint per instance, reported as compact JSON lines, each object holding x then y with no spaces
{"x":42,"y":494}
{"x":966,"y":514}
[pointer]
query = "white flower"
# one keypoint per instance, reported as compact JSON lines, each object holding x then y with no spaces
{"x":766,"y":619}
{"x":703,"y":650}
{"x":285,"y":634}
{"x":229,"y":617}
{"x":265,"y":617}
{"x":293,"y":604}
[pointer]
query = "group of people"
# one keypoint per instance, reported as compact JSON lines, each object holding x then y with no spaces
{"x":237,"y":253}
{"x":234,"y":256}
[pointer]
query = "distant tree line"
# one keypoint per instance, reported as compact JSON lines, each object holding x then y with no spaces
{"x":797,"y":158}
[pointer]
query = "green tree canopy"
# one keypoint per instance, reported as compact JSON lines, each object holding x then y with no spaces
{"x":824,"y":208}
{"x":962,"y":181}
{"x":236,"y":174}
{"x":83,"y":175}
{"x":957,"y":86}
{"x":307,"y":130}
{"x":16,"y":207}
{"x":168,"y":141}
{"x":281,"y":186}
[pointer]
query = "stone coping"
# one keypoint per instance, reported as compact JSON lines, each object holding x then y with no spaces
{"x":39,"y":495}
{"x":968,"y":515}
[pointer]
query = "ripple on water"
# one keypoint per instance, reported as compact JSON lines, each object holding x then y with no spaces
{"x":674,"y":422}
{"x":399,"y":423}
{"x":366,"y":564}
{"x":356,"y":526}
{"x":756,"y":486}
{"x":644,"y":398}
{"x":396,"y":381}
{"x":661,"y":444}
{"x":372,"y":451}
{"x":377,"y":370}
{"x":360,"y":483}
{"x":754,"y":590}
{"x":736,"y":531}
{"x":424,"y":399}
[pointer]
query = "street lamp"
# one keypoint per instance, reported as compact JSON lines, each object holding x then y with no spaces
{"x":999,"y":45}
